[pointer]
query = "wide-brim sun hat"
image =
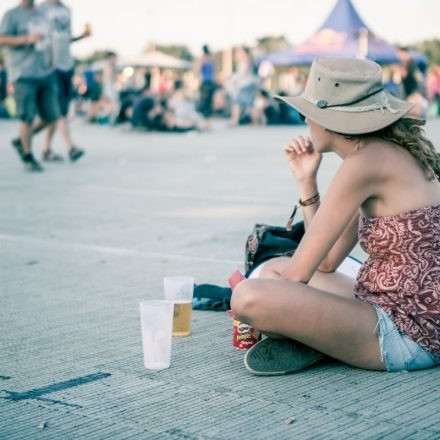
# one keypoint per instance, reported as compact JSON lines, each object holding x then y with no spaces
{"x":347,"y":96}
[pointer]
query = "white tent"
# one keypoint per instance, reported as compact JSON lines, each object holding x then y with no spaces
{"x":155,"y":59}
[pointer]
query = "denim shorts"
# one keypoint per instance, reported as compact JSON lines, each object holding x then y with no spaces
{"x":37,"y":96}
{"x":399,"y":352}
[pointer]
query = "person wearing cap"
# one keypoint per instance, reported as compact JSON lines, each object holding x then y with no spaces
{"x":386,"y":195}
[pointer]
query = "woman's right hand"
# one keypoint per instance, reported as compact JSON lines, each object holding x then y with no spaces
{"x":303,"y":160}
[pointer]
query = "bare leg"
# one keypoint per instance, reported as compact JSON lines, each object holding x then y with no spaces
{"x":169,"y":120}
{"x":25,"y":133}
{"x":274,"y":267}
{"x":334,"y":282}
{"x":343,"y":328}
{"x":23,"y":145}
{"x":206,"y":123}
{"x":235,"y":115}
{"x":49,"y":136}
{"x":63,"y":126}
{"x":183,"y":123}
{"x":38,"y":126}
{"x":113,"y":108}
{"x":27,"y":130}
{"x":94,"y":109}
{"x":257,"y":116}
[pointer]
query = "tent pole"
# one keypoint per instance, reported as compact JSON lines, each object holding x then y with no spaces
{"x":363,"y":44}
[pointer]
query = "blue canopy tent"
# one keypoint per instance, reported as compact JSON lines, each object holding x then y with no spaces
{"x":343,"y":34}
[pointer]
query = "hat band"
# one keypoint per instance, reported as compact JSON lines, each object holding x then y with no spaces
{"x":383,"y":104}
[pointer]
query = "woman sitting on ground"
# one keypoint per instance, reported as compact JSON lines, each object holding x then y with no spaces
{"x":387,"y":194}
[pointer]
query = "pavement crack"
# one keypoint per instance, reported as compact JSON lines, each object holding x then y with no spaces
{"x":59,"y":386}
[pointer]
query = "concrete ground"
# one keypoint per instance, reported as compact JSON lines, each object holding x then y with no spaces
{"x":82,"y":244}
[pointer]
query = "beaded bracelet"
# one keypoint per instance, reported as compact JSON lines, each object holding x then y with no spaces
{"x":312,"y":200}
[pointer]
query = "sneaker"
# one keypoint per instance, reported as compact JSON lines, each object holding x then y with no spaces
{"x":16,"y":143}
{"x":50,"y":156}
{"x":31,"y":164}
{"x":75,"y":153}
{"x":271,"y":357}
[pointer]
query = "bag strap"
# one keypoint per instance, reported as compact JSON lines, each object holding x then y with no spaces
{"x":311,"y":201}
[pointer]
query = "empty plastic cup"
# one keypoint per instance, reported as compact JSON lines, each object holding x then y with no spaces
{"x":157,"y":324}
{"x":180,"y":291}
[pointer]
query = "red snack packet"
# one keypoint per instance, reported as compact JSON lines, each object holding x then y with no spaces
{"x":244,"y":336}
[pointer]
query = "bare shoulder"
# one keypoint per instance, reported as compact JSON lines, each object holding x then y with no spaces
{"x":364,"y":161}
{"x":373,"y":150}
{"x":370,"y":160}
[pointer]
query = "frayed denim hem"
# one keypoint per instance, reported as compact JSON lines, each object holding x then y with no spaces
{"x":398,"y":352}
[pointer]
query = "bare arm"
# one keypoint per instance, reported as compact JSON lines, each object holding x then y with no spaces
{"x":9,"y":35}
{"x":80,"y":37}
{"x":343,"y":246}
{"x":86,"y":33}
{"x":19,"y":40}
{"x":352,"y":185}
{"x":77,"y":38}
{"x":304,"y":163}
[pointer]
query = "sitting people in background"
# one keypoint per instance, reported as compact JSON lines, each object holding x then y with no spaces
{"x":265,"y":111}
{"x":148,"y":111}
{"x":220,"y":102}
{"x":433,"y":88}
{"x":94,"y":93}
{"x":110,"y":90}
{"x":414,"y":89}
{"x":125,"y":110}
{"x":182,"y":114}
{"x":101,"y":110}
{"x":288,"y":114}
{"x":295,"y":82}
{"x":393,"y":81}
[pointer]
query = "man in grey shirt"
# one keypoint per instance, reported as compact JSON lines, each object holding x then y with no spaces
{"x":25,"y":32}
{"x":59,"y":17}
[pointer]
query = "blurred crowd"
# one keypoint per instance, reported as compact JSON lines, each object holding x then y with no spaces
{"x":108,"y":93}
{"x":113,"y":94}
{"x":244,"y":97}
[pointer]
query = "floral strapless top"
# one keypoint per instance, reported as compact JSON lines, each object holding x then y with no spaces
{"x":402,"y":272}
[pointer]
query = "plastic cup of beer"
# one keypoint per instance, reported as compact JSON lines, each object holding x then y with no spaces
{"x":157,"y":324}
{"x":179,"y":290}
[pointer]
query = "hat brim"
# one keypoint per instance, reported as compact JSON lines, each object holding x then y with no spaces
{"x":349,"y":122}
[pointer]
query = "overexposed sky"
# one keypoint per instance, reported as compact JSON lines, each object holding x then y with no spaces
{"x":127,"y":26}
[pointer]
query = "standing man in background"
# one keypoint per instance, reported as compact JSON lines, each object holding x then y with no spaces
{"x":25,"y":31}
{"x":205,"y":67}
{"x":59,"y":17}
